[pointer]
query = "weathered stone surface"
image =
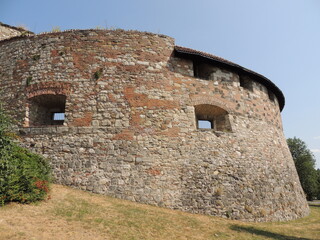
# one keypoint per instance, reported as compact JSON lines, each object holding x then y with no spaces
{"x":130,"y":127}
{"x":7,"y":31}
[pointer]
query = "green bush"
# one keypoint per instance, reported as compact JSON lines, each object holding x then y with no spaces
{"x":24,"y":176}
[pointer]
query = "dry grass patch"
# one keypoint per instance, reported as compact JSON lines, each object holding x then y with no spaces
{"x":74,"y":214}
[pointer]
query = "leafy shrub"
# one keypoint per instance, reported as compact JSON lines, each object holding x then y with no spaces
{"x":305,"y":164}
{"x":24,"y":176}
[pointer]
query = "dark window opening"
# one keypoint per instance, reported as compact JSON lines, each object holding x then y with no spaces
{"x":271,"y":96}
{"x":47,"y":109}
{"x":212,"y":117}
{"x":203,"y":70}
{"x":246,"y":83}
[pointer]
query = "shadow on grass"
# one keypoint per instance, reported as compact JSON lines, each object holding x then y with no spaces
{"x":264,"y":233}
{"x":316,"y":204}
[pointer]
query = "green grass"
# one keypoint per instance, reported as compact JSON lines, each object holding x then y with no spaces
{"x":73,"y":214}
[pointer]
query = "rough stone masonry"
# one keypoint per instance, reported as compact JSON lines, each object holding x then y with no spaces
{"x":130,"y":115}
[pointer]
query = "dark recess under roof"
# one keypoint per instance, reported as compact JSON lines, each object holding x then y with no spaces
{"x":205,"y":57}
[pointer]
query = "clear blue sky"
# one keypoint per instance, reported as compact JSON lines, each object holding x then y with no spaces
{"x":279,"y":39}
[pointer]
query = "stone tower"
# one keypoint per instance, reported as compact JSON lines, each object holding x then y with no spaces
{"x":131,"y":115}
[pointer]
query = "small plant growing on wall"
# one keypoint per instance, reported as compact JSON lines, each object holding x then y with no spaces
{"x":35,"y":57}
{"x":56,"y":29}
{"x":98,"y":74}
{"x":28,"y":81}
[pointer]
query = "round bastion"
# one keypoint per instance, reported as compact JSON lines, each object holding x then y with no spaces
{"x":131,"y":115}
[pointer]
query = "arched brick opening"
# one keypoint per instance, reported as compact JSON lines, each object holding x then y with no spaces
{"x":46,"y":103}
{"x":212,"y":117}
{"x":46,"y":109}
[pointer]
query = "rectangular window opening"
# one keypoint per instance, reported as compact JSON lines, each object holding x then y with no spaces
{"x":202,"y":70}
{"x":246,"y":83}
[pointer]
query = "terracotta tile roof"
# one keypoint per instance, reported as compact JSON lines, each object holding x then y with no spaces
{"x":194,"y":54}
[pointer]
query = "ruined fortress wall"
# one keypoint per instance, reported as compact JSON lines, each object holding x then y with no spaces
{"x":7,"y":31}
{"x":130,"y":127}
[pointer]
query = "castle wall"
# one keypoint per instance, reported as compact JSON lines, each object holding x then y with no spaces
{"x":131,"y":130}
{"x":7,"y":31}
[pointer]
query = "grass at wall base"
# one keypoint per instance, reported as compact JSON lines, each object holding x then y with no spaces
{"x":24,"y":176}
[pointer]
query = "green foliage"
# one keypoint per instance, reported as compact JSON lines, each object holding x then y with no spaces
{"x":35,"y":57}
{"x":305,"y":165}
{"x":28,"y":82}
{"x":5,"y":125}
{"x":318,"y":180}
{"x":98,"y":74}
{"x":24,"y":176}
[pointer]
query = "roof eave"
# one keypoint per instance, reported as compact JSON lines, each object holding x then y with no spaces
{"x":197,"y":55}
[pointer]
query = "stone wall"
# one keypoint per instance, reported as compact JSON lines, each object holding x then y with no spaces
{"x":7,"y":31}
{"x":130,"y":127}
